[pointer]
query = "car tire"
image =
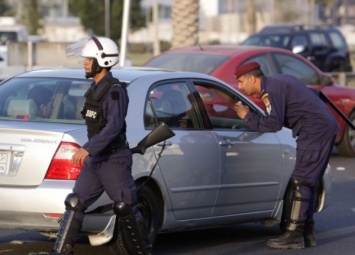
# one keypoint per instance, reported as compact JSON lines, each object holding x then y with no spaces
{"x":346,"y":147}
{"x":150,"y":205}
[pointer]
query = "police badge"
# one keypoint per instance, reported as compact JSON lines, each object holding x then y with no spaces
{"x":267,"y":103}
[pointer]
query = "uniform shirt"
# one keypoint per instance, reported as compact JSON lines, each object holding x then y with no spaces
{"x":291,"y":104}
{"x":114,"y":110}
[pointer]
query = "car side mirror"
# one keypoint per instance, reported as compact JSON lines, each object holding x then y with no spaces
{"x":326,"y":80}
{"x":298,"y":49}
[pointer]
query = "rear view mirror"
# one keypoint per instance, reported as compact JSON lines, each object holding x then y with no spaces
{"x":326,"y":80}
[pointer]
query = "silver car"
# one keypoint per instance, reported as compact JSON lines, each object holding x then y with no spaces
{"x":211,"y":172}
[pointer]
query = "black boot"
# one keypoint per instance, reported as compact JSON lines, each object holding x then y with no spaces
{"x":69,"y":227}
{"x":309,"y":235}
{"x":132,"y":240}
{"x":290,"y":239}
{"x":293,"y":236}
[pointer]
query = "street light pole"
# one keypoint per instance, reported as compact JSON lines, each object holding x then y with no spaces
{"x":125,"y":24}
{"x":107,"y":18}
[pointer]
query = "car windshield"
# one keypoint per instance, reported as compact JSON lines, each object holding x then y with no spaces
{"x":278,"y":41}
{"x":55,"y":100}
{"x":199,"y":63}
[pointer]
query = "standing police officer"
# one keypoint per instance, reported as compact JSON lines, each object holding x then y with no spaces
{"x":290,"y":103}
{"x":106,"y":158}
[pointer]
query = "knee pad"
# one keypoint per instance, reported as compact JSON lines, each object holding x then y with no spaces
{"x":122,"y":209}
{"x":72,"y":203}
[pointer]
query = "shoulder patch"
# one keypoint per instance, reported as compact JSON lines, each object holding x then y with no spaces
{"x":115,"y":95}
{"x":266,"y":100}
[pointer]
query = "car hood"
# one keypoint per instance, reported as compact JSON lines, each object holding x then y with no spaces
{"x":25,"y":145}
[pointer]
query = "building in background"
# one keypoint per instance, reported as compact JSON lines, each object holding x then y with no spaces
{"x":231,"y":21}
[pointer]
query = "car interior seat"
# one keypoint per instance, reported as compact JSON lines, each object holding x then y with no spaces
{"x":20,"y":108}
{"x":172,"y":108}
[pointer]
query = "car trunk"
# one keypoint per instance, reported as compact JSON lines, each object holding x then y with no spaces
{"x":26,"y":152}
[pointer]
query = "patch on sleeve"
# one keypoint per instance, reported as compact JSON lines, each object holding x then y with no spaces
{"x":266,"y":100}
{"x":115,"y":95}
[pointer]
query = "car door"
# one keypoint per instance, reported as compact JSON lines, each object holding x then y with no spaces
{"x":251,"y":162}
{"x":190,"y":165}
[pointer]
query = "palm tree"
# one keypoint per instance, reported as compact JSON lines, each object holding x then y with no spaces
{"x":185,"y":22}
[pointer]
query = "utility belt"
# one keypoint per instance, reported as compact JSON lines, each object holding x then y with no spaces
{"x":113,"y":148}
{"x":118,"y":144}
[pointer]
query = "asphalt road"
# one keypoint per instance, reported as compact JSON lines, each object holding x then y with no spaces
{"x":335,"y":229}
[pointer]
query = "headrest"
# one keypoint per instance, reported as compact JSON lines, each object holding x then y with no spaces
{"x":21,"y":107}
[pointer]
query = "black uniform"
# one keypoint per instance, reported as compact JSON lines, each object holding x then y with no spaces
{"x":107,"y":168}
{"x":291,"y":104}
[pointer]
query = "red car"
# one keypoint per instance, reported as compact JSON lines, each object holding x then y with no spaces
{"x":221,"y":61}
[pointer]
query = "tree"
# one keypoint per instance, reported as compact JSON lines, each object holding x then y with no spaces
{"x":33,"y":16}
{"x":92,"y":15}
{"x":185,"y":23}
{"x":5,"y":9}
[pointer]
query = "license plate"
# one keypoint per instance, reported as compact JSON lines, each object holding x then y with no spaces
{"x":5,"y":157}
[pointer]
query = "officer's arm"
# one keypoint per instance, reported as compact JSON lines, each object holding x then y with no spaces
{"x":270,"y":122}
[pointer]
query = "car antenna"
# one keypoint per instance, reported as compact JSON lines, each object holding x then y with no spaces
{"x":199,"y":45}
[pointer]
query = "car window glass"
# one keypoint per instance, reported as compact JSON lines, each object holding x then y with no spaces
{"x":170,"y":103}
{"x":43,"y":100}
{"x":293,"y":66}
{"x":264,"y":63}
{"x":199,"y":63}
{"x":337,"y":40}
{"x":318,"y":39}
{"x":219,"y":105}
{"x":299,"y":40}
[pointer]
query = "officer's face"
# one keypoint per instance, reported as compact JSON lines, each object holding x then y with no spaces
{"x":247,"y":84}
{"x":88,"y":64}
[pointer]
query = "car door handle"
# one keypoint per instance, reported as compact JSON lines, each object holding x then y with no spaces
{"x":226,"y":143}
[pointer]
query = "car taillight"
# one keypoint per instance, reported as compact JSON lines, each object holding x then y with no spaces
{"x":61,"y":166}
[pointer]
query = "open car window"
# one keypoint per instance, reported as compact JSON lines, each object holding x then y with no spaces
{"x":171,"y":103}
{"x":219,"y":104}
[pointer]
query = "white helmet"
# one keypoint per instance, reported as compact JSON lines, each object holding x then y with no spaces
{"x":104,"y":50}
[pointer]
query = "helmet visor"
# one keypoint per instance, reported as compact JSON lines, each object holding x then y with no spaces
{"x":74,"y":50}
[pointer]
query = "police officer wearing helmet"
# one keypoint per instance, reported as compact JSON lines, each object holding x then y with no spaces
{"x":105,"y":158}
{"x":290,"y":103}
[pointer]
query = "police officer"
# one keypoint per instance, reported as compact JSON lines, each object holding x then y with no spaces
{"x":290,"y":103}
{"x":106,"y":159}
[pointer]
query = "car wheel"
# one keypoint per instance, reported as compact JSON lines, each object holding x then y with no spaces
{"x":150,"y":205}
{"x":347,"y":145}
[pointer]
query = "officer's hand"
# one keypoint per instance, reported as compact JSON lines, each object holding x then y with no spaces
{"x":241,"y":110}
{"x":79,"y":156}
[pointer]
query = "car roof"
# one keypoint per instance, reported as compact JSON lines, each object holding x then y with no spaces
{"x":289,"y":29}
{"x":129,"y":73}
{"x":226,"y":50}
{"x":125,"y":74}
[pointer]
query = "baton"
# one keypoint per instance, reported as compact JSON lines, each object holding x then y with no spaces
{"x":340,"y":113}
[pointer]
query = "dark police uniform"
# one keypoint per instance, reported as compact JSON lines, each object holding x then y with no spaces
{"x":109,"y":164}
{"x":290,"y":103}
{"x":108,"y":167}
